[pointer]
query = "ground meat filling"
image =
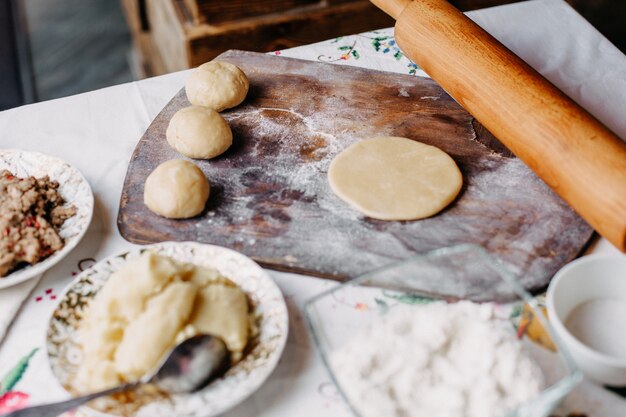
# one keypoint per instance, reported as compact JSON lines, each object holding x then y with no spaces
{"x":31,"y":214}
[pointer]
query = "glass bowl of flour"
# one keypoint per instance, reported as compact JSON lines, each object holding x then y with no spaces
{"x":449,"y":333}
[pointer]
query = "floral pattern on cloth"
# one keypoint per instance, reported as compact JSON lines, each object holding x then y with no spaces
{"x":347,"y":51}
{"x":362,"y":50}
{"x":11,"y":399}
{"x":43,"y":297}
{"x":527,"y":324}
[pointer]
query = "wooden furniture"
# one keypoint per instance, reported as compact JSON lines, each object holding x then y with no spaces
{"x":270,"y":197}
{"x":577,"y":156}
{"x":171,"y":35}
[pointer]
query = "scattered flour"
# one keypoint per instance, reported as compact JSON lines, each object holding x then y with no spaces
{"x":437,"y":360}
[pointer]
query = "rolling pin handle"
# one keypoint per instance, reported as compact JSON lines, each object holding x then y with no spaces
{"x":392,"y":7}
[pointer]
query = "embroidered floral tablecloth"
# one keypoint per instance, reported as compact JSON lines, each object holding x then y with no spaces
{"x":97,"y":132}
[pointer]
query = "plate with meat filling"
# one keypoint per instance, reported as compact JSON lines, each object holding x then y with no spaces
{"x":46,"y":206}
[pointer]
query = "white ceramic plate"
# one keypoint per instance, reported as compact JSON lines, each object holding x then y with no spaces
{"x":64,"y":352}
{"x":73,"y":187}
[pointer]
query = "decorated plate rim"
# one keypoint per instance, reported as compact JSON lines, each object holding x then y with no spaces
{"x":267,"y":368}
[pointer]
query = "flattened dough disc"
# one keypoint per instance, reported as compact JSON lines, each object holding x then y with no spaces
{"x":393,"y":178}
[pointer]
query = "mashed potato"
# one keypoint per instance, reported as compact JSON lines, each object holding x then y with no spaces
{"x":146,"y":308}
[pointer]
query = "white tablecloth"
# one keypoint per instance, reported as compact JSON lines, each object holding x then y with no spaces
{"x":97,"y":132}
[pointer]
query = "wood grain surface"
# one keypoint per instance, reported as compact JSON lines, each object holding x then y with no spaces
{"x":270,"y":198}
{"x":216,"y":11}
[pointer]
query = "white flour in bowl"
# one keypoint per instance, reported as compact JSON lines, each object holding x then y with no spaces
{"x":437,"y":360}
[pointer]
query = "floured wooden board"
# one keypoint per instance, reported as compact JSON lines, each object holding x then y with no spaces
{"x":270,"y":197}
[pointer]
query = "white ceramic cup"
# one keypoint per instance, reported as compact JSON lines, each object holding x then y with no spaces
{"x":589,"y":278}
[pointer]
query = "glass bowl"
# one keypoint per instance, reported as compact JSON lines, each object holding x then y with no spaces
{"x":464,"y":272}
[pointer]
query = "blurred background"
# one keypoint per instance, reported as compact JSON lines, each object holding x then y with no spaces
{"x":55,"y":48}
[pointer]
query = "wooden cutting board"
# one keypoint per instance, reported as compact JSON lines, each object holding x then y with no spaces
{"x":270,"y":198}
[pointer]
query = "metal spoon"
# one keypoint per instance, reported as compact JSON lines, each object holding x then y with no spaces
{"x":190,"y":366}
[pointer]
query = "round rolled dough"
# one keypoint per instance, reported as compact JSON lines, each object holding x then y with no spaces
{"x":199,"y":132}
{"x":176,"y":189}
{"x":393,"y":178}
{"x":217,"y":85}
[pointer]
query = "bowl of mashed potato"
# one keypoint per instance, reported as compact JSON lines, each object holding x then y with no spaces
{"x":119,"y":318}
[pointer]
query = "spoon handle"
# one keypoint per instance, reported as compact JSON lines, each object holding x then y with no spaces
{"x":54,"y":409}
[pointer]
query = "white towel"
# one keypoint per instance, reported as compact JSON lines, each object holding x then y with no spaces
{"x":11,"y":300}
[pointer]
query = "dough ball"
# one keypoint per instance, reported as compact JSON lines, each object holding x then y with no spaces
{"x":217,"y":85}
{"x":176,"y":189}
{"x":392,"y":178}
{"x":199,"y":132}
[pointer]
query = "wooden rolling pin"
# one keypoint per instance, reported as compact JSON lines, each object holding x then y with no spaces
{"x":576,"y":155}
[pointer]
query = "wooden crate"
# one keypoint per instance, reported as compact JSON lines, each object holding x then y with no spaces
{"x":216,"y":11}
{"x":178,"y":34}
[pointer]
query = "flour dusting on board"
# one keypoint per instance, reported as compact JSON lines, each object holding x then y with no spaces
{"x":270,"y":197}
{"x":302,"y":176}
